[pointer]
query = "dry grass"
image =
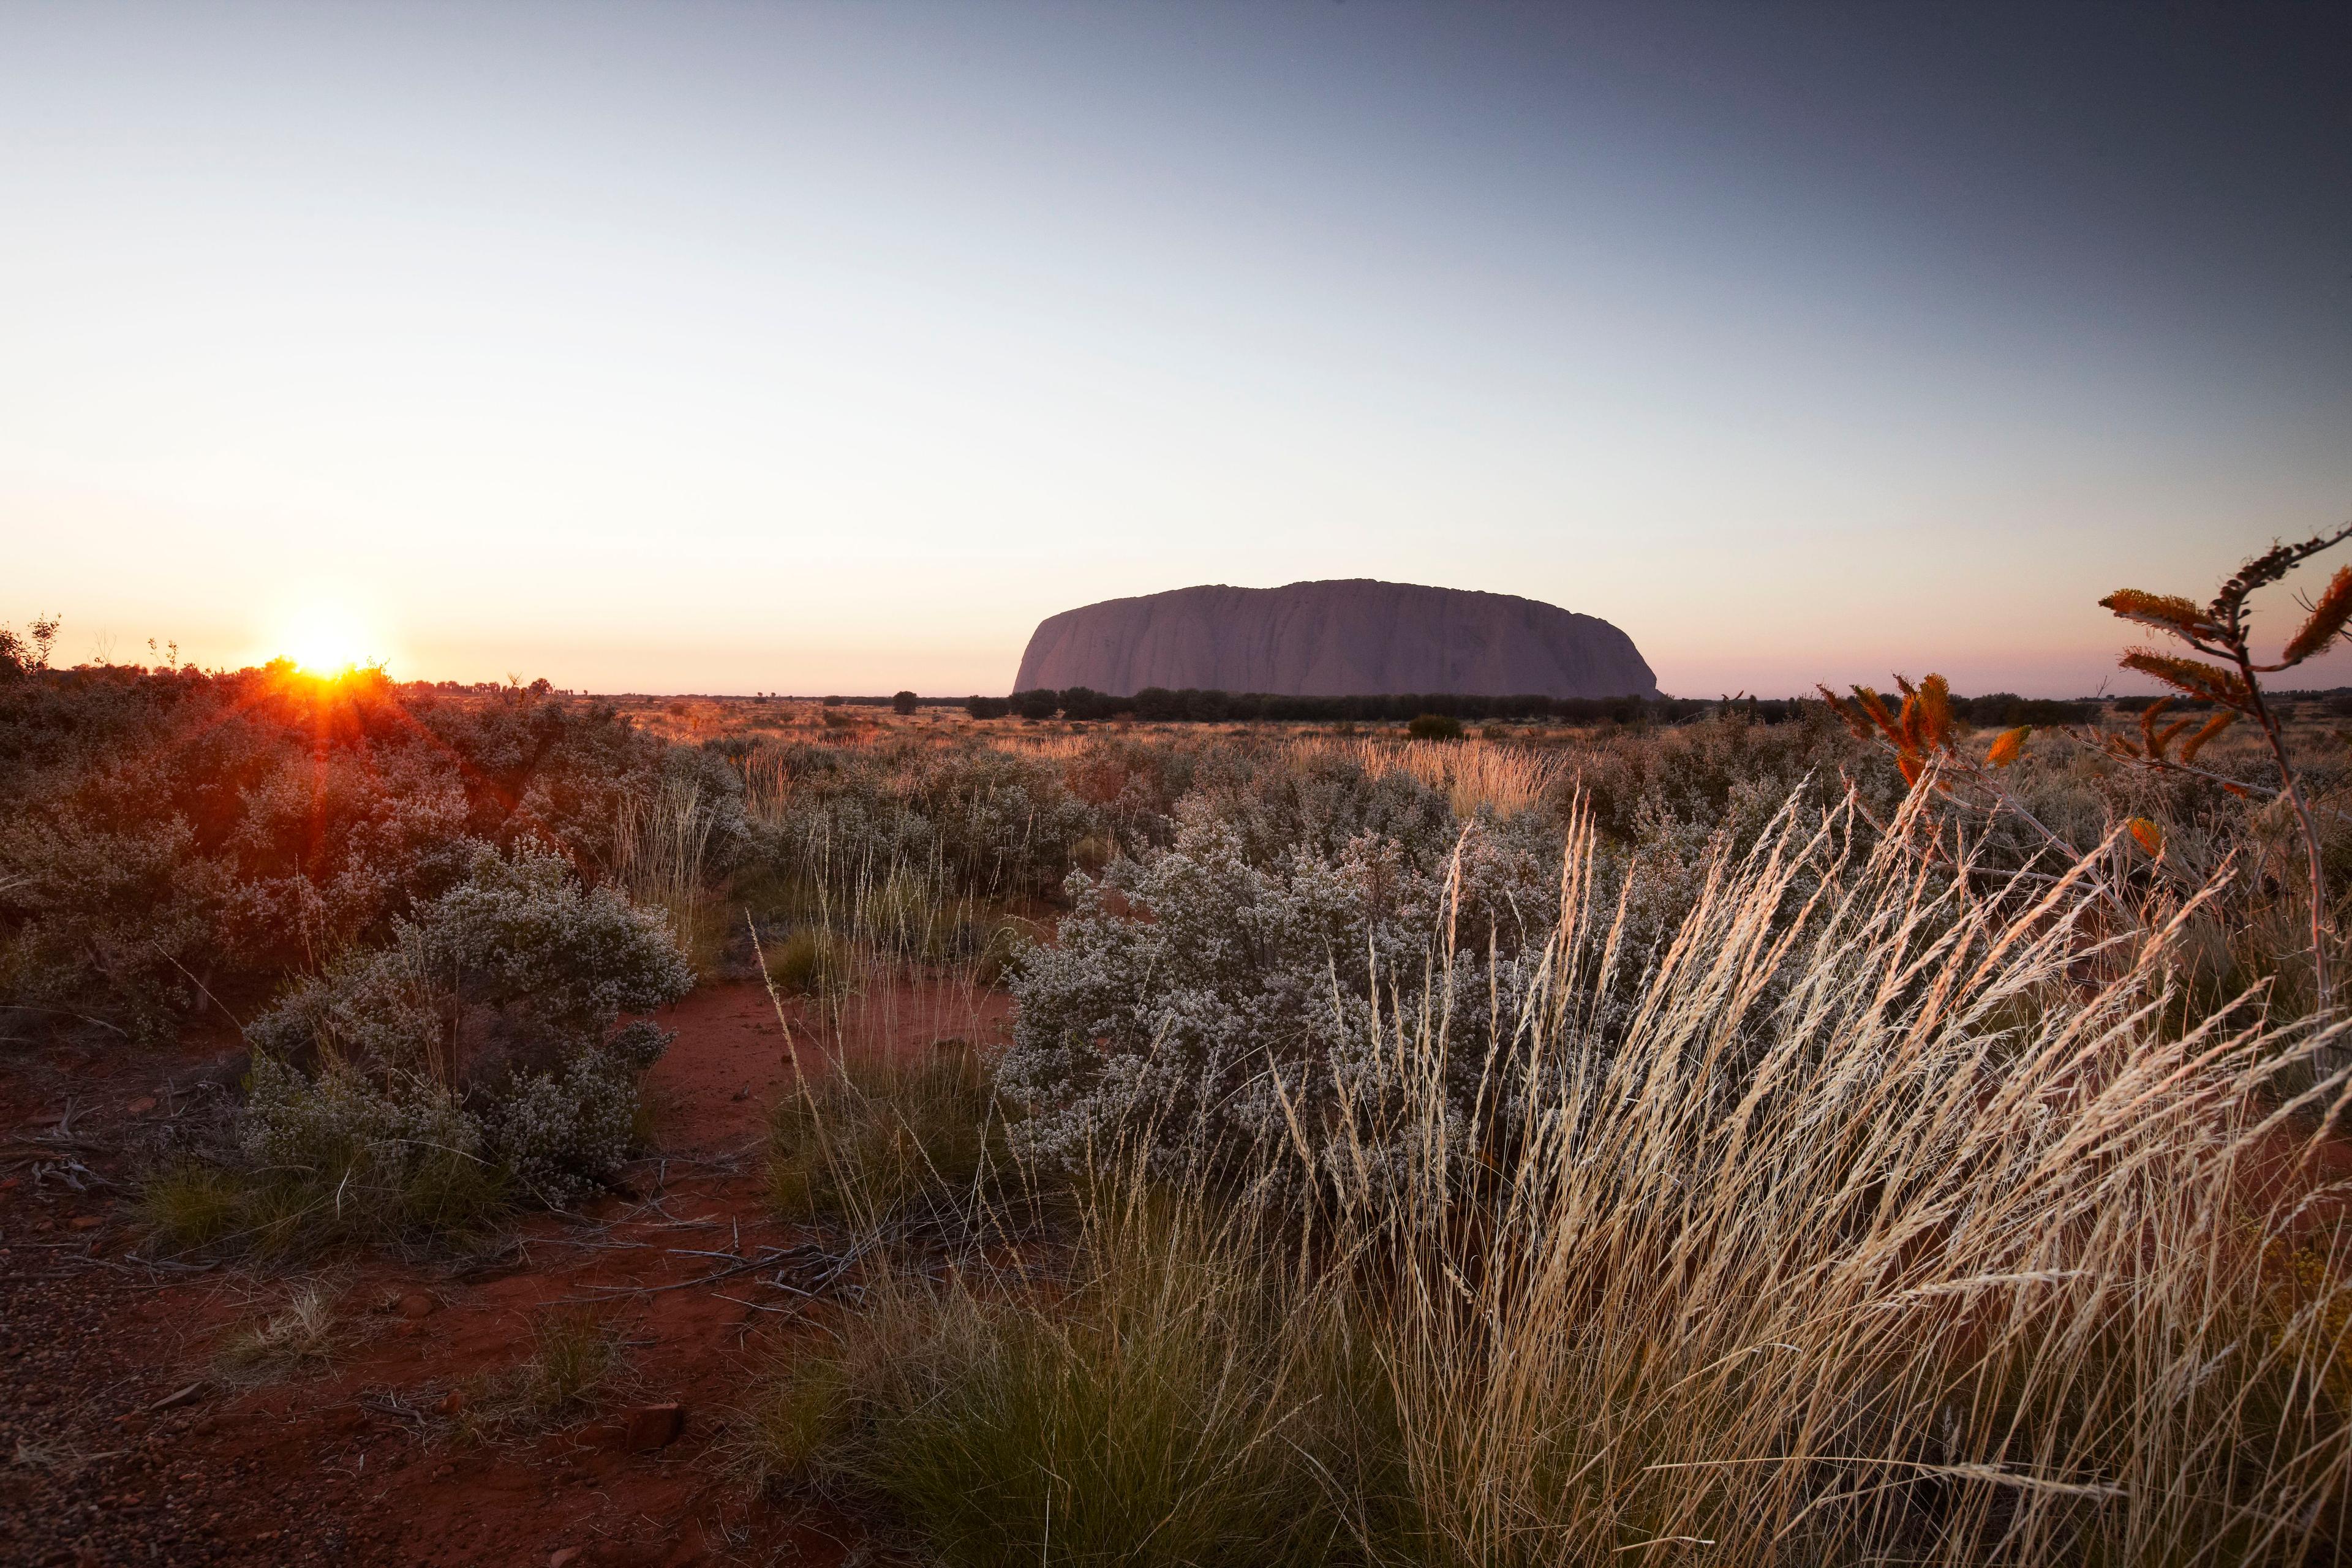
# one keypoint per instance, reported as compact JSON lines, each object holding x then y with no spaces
{"x":297,"y":1336}
{"x":1922,"y":1252}
{"x":865,"y":1135}
{"x":1883,"y":1236}
{"x":659,"y":845}
{"x":577,"y":1358}
{"x":1471,"y":774}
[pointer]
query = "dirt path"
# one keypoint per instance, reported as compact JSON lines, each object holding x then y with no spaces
{"x":121,"y":1444}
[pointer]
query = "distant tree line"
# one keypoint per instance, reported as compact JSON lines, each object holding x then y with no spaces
{"x":1158,"y":705}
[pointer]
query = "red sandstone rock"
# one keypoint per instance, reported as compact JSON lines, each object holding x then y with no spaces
{"x":1349,"y":639}
{"x":651,"y":1426}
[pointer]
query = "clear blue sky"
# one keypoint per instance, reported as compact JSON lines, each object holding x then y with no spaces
{"x":821,"y":348}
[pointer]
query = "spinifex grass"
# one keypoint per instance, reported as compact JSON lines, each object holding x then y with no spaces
{"x":862,"y":1136}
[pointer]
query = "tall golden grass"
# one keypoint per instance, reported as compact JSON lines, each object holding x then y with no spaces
{"x":660,"y":843}
{"x":1470,"y":773}
{"x":1881,"y":1236}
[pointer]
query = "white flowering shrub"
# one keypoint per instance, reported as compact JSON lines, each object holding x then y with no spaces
{"x":562,"y":1131}
{"x":1227,"y":990}
{"x":1190,"y":993}
{"x":493,"y":1016}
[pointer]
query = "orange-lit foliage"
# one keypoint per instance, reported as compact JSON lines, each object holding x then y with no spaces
{"x":174,"y":842}
{"x":2221,"y":631}
{"x":2008,"y":746}
{"x":1918,"y":732}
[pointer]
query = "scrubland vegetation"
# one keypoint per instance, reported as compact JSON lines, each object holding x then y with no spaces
{"x":1851,"y":1138}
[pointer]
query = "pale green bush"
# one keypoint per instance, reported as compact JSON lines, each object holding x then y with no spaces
{"x":486,"y":1034}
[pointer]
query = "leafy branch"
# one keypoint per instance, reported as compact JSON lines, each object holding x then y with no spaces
{"x":2222,"y":629}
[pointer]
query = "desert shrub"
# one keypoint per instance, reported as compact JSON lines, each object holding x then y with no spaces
{"x":573,"y":1354}
{"x":987,"y":706}
{"x":811,"y":962}
{"x":978,"y":822}
{"x":1708,"y":1269}
{"x":1875,"y":1232}
{"x":673,"y":846}
{"x":903,"y":703}
{"x":1133,"y":786}
{"x":297,"y":1336}
{"x":518,"y":951}
{"x":316,"y":1164}
{"x":173,"y":841}
{"x":1277,"y":802}
{"x":1434,"y":727}
{"x":1182,"y":987}
{"x":577,"y":1358}
{"x":408,"y":1089}
{"x":22,"y":653}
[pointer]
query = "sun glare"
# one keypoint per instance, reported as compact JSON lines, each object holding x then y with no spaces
{"x":326,"y":640}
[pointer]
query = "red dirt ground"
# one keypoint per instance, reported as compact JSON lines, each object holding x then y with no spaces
{"x":105,"y":1458}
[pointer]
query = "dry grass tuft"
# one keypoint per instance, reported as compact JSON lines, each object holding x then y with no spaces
{"x":299,"y":1337}
{"x":577,"y":1358}
{"x":1472,"y":775}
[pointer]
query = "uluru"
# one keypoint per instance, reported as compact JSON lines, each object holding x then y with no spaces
{"x":1349,"y":638}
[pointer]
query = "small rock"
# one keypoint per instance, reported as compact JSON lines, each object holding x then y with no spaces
{"x":418,"y":1304}
{"x":85,"y":1222}
{"x":452,"y":1401}
{"x":558,"y":1559}
{"x":141,"y":1106}
{"x":652,"y":1426}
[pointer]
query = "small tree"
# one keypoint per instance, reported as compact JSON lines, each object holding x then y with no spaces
{"x":903,"y":703}
{"x":2220,"y":630}
{"x":1436,"y":727}
{"x":27,"y":652}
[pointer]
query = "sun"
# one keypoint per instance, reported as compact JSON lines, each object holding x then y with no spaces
{"x":326,"y":640}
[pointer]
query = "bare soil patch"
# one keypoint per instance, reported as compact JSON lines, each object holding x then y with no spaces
{"x":124,"y":1439}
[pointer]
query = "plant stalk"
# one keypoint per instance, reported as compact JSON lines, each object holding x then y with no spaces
{"x":2294,"y":791}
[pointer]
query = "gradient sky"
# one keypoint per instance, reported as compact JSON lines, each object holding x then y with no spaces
{"x":828,"y":348}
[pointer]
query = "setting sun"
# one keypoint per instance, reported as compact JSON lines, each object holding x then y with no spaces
{"x":326,"y":640}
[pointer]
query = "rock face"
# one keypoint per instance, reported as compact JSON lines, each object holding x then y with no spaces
{"x":1354,"y":638}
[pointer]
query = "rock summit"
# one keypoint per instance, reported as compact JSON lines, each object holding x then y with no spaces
{"x":1352,"y":637}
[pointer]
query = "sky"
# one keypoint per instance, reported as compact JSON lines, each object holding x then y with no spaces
{"x":731,"y":348}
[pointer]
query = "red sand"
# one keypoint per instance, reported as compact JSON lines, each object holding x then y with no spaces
{"x":359,"y":1465}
